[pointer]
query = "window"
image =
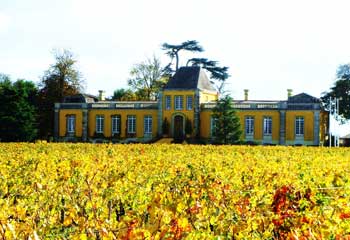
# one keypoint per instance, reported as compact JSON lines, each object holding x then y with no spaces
{"x":116,"y":124}
{"x":179,"y":102}
{"x":131,"y":124}
{"x":249,"y":125}
{"x":71,"y":123}
{"x":99,"y":123}
{"x":267,"y":125}
{"x":147,"y":124}
{"x":189,"y":102}
{"x":299,"y":126}
{"x":213,"y":122}
{"x":167,"y":102}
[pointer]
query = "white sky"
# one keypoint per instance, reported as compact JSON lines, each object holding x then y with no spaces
{"x":268,"y":45}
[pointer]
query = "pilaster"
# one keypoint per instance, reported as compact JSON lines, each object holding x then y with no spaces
{"x":160,"y":113}
{"x":56,"y":122}
{"x":196,"y":113}
{"x":316,"y":127}
{"x":85,"y":123}
{"x":282,"y":127}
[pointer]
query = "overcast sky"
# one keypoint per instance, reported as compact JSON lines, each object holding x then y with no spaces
{"x":268,"y":45}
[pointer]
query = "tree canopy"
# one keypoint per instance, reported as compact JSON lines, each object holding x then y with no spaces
{"x":218,"y":74}
{"x":147,"y":79}
{"x":172,"y":50}
{"x":60,"y":80}
{"x":123,"y":94}
{"x":227,"y":128}
{"x":18,"y":111}
{"x":340,"y":90}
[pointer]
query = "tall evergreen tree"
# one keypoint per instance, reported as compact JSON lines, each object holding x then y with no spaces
{"x":227,"y":128}
{"x":18,"y":112}
{"x":60,"y":80}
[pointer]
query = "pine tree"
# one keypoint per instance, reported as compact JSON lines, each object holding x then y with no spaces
{"x":227,"y":128}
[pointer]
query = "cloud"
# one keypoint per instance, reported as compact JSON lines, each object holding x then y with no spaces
{"x":4,"y":22}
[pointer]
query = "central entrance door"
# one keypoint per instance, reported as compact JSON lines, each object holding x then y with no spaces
{"x":178,"y":127}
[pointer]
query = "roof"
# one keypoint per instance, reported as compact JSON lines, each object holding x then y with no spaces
{"x":190,"y":78}
{"x":303,"y":98}
{"x":80,"y":98}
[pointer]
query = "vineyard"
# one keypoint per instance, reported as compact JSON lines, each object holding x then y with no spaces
{"x":104,"y":191}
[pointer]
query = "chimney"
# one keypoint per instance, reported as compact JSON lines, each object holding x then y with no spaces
{"x":246,"y":94}
{"x":101,"y":95}
{"x":290,"y":92}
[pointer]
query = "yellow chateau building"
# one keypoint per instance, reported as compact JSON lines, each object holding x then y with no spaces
{"x":188,"y":98}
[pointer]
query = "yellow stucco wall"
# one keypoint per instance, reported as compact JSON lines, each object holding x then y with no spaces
{"x":107,"y":113}
{"x":308,"y":124}
{"x":259,"y":123}
{"x":205,"y":123}
{"x":78,"y":121}
{"x":170,"y":113}
{"x":207,"y":97}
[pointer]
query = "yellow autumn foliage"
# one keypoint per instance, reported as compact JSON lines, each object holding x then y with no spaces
{"x":139,"y":191}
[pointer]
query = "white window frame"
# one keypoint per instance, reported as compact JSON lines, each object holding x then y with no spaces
{"x":299,"y":126}
{"x":213,"y":122}
{"x":167,"y":102}
{"x":116,"y":124}
{"x":267,"y":124}
{"x":131,"y":123}
{"x":100,"y":122}
{"x":189,"y":102}
{"x":249,"y":125}
{"x":147,"y":124}
{"x":178,"y":102}
{"x":71,"y":119}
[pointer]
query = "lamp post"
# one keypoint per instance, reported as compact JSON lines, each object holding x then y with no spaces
{"x":333,"y":111}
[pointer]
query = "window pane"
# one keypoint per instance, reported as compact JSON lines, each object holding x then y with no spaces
{"x":71,"y":123}
{"x":148,"y":124}
{"x":178,"y":102}
{"x":116,"y":121}
{"x":267,"y":125}
{"x":99,"y":123}
{"x":167,"y":102}
{"x":189,"y":102}
{"x":132,"y":124}
{"x":299,"y":126}
{"x":249,"y":125}
{"x":213,"y":122}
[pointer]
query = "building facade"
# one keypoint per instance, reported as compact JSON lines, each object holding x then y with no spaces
{"x":188,"y":98}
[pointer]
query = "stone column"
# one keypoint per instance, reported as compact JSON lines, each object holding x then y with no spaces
{"x":317,"y":127}
{"x":85,"y":123}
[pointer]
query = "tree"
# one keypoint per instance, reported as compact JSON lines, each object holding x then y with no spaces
{"x":123,"y":94}
{"x":147,"y":79}
{"x":173,"y":50}
{"x":340,"y":90}
{"x":227,"y":129}
{"x":18,"y":111}
{"x":218,"y":74}
{"x":60,"y":80}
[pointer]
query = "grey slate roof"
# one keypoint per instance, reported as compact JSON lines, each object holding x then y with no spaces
{"x":190,"y":78}
{"x":303,"y":98}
